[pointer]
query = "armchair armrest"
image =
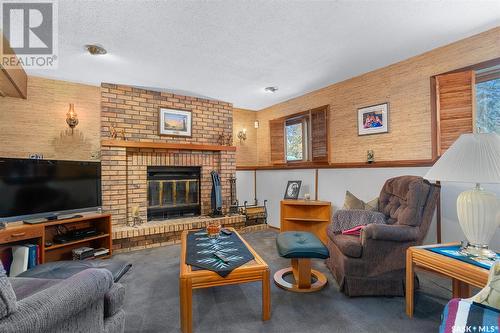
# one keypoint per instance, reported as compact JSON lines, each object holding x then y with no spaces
{"x":345,"y":219}
{"x":41,"y":311}
{"x":389,"y":232}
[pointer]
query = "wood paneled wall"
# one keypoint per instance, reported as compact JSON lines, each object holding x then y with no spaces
{"x":246,"y":151}
{"x":38,"y":124}
{"x":405,"y":85}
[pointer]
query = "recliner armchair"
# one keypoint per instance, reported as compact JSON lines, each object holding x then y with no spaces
{"x":374,"y":264}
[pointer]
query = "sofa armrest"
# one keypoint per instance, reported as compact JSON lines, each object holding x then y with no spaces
{"x":113,"y":300}
{"x":43,"y":310}
{"x":345,"y":219}
{"x":387,"y":232}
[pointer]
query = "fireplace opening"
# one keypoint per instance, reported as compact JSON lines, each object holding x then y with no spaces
{"x":173,"y":192}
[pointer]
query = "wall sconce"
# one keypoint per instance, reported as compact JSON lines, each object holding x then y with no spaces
{"x":71,"y":117}
{"x":256,"y":124}
{"x":242,"y":135}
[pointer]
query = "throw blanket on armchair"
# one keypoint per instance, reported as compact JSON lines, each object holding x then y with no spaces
{"x":348,"y":219}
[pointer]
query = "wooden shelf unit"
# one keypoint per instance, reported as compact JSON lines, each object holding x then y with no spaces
{"x":306,"y":215}
{"x":58,"y":252}
{"x":83,"y":240}
{"x":17,"y":233}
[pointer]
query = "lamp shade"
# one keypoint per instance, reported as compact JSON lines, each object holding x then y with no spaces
{"x":473,"y":158}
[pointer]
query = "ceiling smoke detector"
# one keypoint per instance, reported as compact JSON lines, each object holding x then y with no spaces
{"x":95,"y":49}
{"x":271,"y":89}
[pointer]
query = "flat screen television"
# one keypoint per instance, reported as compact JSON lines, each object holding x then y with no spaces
{"x":32,"y":188}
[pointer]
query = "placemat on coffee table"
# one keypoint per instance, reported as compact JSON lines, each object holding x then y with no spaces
{"x":200,"y":251}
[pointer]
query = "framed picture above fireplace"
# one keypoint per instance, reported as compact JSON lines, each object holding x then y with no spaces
{"x":175,"y":122}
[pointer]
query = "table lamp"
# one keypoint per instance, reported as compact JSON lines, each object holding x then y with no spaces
{"x":473,"y":158}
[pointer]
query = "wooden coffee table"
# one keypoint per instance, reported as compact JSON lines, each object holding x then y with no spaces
{"x":189,"y":279}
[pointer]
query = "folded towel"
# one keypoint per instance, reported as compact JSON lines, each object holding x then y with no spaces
{"x":356,"y":231}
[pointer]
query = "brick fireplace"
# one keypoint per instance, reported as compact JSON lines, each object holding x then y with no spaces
{"x":125,"y":163}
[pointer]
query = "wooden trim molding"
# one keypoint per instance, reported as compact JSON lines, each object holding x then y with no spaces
{"x":164,"y":145}
{"x":353,"y":165}
{"x":488,"y":76}
{"x":476,"y":67}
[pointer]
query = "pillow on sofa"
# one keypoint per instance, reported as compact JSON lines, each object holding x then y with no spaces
{"x":353,"y":202}
{"x":8,"y":301}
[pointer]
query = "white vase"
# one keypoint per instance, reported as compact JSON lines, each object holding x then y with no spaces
{"x":477,"y":211}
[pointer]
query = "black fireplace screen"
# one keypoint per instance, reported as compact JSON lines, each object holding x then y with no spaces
{"x":173,"y":192}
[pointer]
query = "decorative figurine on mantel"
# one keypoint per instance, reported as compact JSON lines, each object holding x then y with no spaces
{"x":117,"y":134}
{"x":225,"y":140}
{"x":370,"y":156}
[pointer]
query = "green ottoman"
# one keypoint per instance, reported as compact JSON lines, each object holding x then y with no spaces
{"x":300,"y":247}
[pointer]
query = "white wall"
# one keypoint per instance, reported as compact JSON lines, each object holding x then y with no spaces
{"x":271,"y":185}
{"x":245,"y":187}
{"x":364,"y":183}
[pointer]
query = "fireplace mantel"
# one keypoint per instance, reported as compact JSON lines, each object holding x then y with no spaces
{"x":164,"y":145}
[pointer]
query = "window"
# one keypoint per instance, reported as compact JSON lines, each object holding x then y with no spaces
{"x":488,"y":102}
{"x":296,"y":140}
{"x":300,"y":137}
{"x":467,"y":100}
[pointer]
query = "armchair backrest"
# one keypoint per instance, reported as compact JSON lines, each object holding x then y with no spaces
{"x":409,"y":200}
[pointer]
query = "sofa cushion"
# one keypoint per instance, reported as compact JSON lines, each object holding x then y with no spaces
{"x":25,"y":287}
{"x":8,"y":301}
{"x":402,"y":200}
{"x":347,"y":244}
{"x":300,"y":244}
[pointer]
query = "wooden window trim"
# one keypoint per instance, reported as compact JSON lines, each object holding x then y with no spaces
{"x":299,"y":117}
{"x":434,"y":100}
{"x":488,"y":76}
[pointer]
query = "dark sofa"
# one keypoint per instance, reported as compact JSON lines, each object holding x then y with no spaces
{"x":374,"y":264}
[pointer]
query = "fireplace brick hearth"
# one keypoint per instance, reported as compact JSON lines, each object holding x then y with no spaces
{"x":134,"y":112}
{"x":160,"y":233}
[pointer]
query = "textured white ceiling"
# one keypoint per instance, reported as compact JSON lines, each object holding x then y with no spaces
{"x":231,"y":50}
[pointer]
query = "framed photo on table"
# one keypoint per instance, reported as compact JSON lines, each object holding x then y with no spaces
{"x":175,"y":122}
{"x":292,"y":189}
{"x":373,"y":119}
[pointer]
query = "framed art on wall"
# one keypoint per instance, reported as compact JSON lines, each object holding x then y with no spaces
{"x":292,"y":189}
{"x":175,"y":122}
{"x":373,"y":119}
